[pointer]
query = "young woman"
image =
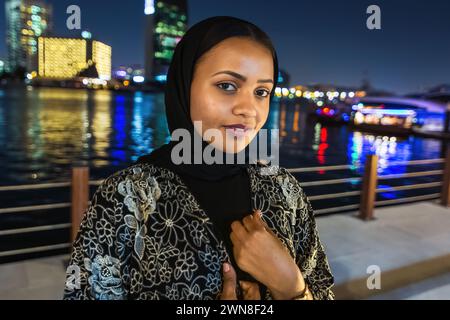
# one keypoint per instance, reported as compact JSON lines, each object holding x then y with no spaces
{"x":162,"y":229}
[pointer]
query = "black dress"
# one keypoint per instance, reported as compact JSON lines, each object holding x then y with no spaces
{"x":146,"y":235}
{"x":224,"y":201}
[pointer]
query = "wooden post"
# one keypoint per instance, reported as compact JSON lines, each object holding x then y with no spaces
{"x":447,"y":119}
{"x":368,"y":194}
{"x":445,"y":193}
{"x":80,"y":197}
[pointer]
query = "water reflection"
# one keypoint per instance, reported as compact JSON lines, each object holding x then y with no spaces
{"x":387,"y":148}
{"x":119,"y":128}
{"x":100,"y":103}
{"x":43,"y":131}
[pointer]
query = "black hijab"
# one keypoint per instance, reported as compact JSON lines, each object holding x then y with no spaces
{"x":199,"y":39}
{"x":223,"y":190}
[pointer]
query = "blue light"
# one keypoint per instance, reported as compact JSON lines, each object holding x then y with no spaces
{"x":86,"y":35}
{"x":389,"y":112}
{"x":388,"y":195}
{"x":120,"y":122}
{"x":121,"y":73}
{"x":120,"y":99}
{"x":345,"y":117}
{"x":161,"y":78}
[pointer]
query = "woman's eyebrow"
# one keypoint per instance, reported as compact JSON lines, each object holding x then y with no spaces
{"x":241,"y":77}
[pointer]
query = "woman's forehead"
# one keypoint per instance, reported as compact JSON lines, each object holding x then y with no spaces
{"x":239,"y":55}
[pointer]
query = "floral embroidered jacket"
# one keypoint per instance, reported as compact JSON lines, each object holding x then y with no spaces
{"x":144,"y":236}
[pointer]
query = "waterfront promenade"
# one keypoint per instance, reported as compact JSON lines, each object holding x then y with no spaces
{"x":409,"y":243}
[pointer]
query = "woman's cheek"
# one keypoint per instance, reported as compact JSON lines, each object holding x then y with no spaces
{"x":263,"y":116}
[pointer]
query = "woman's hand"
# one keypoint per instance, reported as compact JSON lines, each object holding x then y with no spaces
{"x":250,"y":290}
{"x":260,"y":253}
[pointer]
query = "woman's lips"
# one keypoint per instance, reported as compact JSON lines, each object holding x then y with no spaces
{"x":237,"y":130}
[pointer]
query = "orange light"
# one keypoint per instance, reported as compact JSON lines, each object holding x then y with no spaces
{"x":126,"y":83}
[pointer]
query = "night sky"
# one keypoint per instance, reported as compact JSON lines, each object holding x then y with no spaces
{"x":317,"y":41}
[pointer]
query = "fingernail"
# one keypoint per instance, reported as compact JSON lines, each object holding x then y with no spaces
{"x":226,"y":267}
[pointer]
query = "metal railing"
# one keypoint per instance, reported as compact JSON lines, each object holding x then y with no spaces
{"x":369,"y":185}
{"x":80,"y":195}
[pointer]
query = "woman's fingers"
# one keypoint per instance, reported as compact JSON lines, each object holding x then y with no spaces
{"x":251,"y":223}
{"x":246,"y":222}
{"x":257,"y":215}
{"x":228,"y":283}
{"x":239,"y":230}
{"x":250,"y":290}
{"x":234,"y":239}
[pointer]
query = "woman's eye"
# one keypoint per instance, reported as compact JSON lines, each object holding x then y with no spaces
{"x":226,"y":86}
{"x":262,"y":93}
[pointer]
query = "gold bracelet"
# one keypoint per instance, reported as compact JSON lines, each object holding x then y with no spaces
{"x":303,"y":295}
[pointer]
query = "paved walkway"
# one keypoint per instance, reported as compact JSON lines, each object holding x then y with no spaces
{"x":409,"y":243}
{"x":33,"y":279}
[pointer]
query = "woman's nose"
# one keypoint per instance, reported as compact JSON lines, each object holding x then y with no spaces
{"x":245,"y":106}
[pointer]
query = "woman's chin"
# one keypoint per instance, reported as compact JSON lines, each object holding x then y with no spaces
{"x":234,"y":147}
{"x":231,"y":147}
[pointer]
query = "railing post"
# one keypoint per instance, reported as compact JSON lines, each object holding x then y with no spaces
{"x":80,"y":197}
{"x":368,"y":194}
{"x":445,"y":193}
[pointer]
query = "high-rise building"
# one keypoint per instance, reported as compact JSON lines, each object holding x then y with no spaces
{"x":166,"y":23}
{"x":64,"y":58}
{"x":101,"y":56}
{"x":26,"y":20}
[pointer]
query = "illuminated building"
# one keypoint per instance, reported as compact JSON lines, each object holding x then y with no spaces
{"x":64,"y":58}
{"x":2,"y":67}
{"x":26,"y":20}
{"x":101,"y":56}
{"x":166,"y":23}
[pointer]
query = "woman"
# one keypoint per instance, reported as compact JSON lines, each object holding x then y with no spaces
{"x":170,"y":229}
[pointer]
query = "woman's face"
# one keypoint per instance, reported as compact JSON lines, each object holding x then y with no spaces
{"x":230,"y":92}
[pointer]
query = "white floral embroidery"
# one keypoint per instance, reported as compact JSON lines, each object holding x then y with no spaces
{"x":144,"y":236}
{"x":141,"y":192}
{"x":291,"y":192}
{"x":105,"y":278}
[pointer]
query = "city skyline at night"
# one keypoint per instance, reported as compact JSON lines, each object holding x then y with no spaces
{"x":26,"y":21}
{"x":317,"y":42}
{"x":166,"y":23}
{"x":121,"y":183}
